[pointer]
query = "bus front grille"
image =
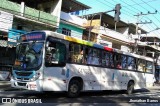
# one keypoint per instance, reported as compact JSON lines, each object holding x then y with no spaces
{"x":23,"y":73}
{"x":21,"y":84}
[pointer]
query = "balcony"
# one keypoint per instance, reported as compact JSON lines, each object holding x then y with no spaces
{"x":115,"y":35}
{"x":30,"y":13}
{"x":73,"y":19}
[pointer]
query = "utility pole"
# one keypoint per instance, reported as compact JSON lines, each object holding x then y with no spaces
{"x":117,"y":14}
{"x":146,"y":22}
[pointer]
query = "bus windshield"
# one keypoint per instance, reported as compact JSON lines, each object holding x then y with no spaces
{"x":29,"y":55}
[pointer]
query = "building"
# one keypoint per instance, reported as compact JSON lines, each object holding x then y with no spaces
{"x":70,"y":23}
{"x":20,"y":16}
{"x":101,"y":29}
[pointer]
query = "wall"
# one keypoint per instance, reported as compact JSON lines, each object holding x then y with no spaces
{"x":29,"y":26}
{"x":75,"y":31}
{"x":114,"y":34}
{"x":53,"y":7}
{"x":95,"y":22}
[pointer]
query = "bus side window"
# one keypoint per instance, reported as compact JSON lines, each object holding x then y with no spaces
{"x":118,"y":61}
{"x":149,"y":67}
{"x":131,"y":63}
{"x":107,"y":59}
{"x":93,"y":57}
{"x":111,"y":60}
{"x":55,"y":54}
{"x":124,"y":62}
{"x":104,"y":58}
{"x":76,"y":53}
{"x":141,"y":65}
{"x":89,"y":55}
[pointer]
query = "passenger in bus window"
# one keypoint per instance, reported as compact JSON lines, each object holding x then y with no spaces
{"x":89,"y":57}
{"x":140,"y":67}
{"x":119,"y":66}
{"x":80,"y":57}
{"x":50,"y":55}
{"x":111,"y":61}
{"x":107,"y":59}
{"x":95,"y":58}
{"x":53,"y":52}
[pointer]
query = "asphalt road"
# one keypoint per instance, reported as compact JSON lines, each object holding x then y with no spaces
{"x":147,"y":97}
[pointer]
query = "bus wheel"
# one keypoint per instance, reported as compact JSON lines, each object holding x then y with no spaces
{"x":130,"y":87}
{"x":74,"y":88}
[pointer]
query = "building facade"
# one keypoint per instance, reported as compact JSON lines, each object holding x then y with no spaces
{"x":18,"y":17}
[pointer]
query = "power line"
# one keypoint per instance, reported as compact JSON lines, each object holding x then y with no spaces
{"x":153,"y":8}
{"x":145,"y":9}
{"x":132,"y":7}
{"x":122,"y":6}
{"x":135,"y":12}
{"x":114,"y":5}
{"x":125,"y":7}
{"x":140,"y":3}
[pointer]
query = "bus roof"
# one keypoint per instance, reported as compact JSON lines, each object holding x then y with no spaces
{"x":91,"y":44}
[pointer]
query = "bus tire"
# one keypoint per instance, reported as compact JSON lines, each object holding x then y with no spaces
{"x":130,"y":87}
{"x":73,"y":89}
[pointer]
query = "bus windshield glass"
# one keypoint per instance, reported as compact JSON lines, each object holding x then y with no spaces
{"x":29,"y":55}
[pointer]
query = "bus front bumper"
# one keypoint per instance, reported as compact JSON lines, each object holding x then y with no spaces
{"x":34,"y":85}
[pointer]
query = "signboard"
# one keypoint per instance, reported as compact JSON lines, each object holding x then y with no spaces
{"x":6,"y":20}
{"x":33,"y":36}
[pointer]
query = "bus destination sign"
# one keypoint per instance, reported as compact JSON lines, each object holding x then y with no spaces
{"x":34,"y":36}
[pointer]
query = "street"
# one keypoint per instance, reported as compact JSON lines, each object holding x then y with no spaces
{"x":143,"y":97}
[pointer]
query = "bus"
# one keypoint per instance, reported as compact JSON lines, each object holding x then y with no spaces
{"x":49,"y":61}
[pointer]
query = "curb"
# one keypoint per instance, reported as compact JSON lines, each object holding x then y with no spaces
{"x":5,"y":83}
{"x":9,"y":89}
{"x":154,"y":88}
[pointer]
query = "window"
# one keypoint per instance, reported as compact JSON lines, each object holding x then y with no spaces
{"x":149,"y":67}
{"x":93,"y":56}
{"x":106,"y":56}
{"x":124,"y":62}
{"x":66,"y":31}
{"x":103,"y":58}
{"x":141,"y":65}
{"x":118,"y":59}
{"x":108,"y":59}
{"x":76,"y":53}
{"x":55,"y":54}
{"x":131,"y":63}
{"x":111,"y":60}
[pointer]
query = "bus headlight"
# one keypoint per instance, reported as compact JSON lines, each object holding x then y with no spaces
{"x":35,"y":77}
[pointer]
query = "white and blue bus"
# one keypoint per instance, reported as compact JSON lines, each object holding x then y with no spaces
{"x":49,"y":61}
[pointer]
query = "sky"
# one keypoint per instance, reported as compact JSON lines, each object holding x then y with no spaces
{"x":129,"y":8}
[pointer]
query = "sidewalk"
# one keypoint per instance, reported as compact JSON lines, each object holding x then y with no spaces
{"x":155,"y":87}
